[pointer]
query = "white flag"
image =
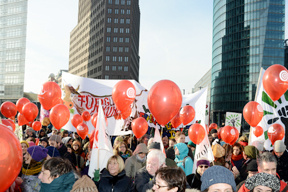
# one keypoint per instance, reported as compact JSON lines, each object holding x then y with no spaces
{"x":102,"y":150}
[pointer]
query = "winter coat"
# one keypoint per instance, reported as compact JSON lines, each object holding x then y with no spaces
{"x":143,"y":180}
{"x":31,"y":183}
{"x":64,"y":183}
{"x":62,"y":150}
{"x":183,"y":160}
{"x":194,"y":180}
{"x":118,"y":183}
{"x":282,"y":166}
{"x":237,"y":160}
{"x":243,"y":172}
{"x":132,"y":165}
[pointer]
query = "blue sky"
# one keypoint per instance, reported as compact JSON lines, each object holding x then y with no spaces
{"x":175,"y":40}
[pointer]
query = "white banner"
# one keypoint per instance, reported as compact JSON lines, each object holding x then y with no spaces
{"x":233,"y":119}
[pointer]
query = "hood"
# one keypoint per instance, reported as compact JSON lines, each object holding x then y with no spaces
{"x":141,"y":148}
{"x":183,"y":150}
{"x":65,"y":140}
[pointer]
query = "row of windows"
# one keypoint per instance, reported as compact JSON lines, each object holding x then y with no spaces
{"x":115,"y":77}
{"x":13,"y":44}
{"x":114,"y":68}
{"x":116,"y":20}
{"x":11,"y":79}
{"x":122,"y":11}
{"x":12,"y":67}
{"x":114,"y":58}
{"x":115,"y":39}
{"x":117,"y":2}
{"x":115,"y":30}
{"x":119,"y":49}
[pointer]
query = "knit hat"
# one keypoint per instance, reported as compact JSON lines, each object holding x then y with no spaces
{"x":252,"y":165}
{"x":203,"y":161}
{"x":65,"y":140}
{"x":84,"y":184}
{"x":218,"y":150}
{"x":190,"y":143}
{"x":25,"y":143}
{"x":263,"y":179}
{"x":119,"y":138}
{"x":29,"y":129}
{"x":44,"y":139}
{"x":251,"y":151}
{"x":213,"y":131}
{"x":217,"y":174}
{"x":56,"y":138}
{"x":53,"y":152}
{"x":31,"y":143}
{"x":259,"y":145}
{"x":37,"y":153}
{"x":141,"y":148}
{"x":154,"y":145}
{"x":279,"y":146}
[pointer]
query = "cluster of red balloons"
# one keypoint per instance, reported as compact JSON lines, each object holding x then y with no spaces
{"x":185,"y":116}
{"x":253,"y":114}
{"x":228,"y":134}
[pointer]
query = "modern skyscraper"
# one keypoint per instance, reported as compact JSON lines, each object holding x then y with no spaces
{"x":105,"y":42}
{"x":13,"y":22}
{"x":247,"y":35}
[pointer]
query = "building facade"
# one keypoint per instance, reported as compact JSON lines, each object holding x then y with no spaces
{"x":13,"y":23}
{"x":105,"y":42}
{"x":247,"y":35}
{"x":205,"y":81}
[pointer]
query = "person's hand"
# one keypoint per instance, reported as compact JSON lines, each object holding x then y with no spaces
{"x":19,"y":180}
{"x":235,"y":172}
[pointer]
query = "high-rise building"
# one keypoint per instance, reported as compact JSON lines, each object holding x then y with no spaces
{"x":13,"y":22}
{"x":105,"y":42}
{"x":247,"y":35}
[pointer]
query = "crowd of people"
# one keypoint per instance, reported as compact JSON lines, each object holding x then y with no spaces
{"x":59,"y":161}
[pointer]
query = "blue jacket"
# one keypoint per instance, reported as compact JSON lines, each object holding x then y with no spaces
{"x":183,"y":152}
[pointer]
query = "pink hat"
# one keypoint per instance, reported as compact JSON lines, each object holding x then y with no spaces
{"x":31,"y":143}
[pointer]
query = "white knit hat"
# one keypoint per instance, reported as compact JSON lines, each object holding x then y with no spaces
{"x":279,"y":146}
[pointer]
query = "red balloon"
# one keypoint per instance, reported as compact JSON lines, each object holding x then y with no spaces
{"x":126,"y":113}
{"x":13,"y":124}
{"x":176,"y":120}
{"x":219,"y":132}
{"x":139,"y":127}
{"x":276,"y":132}
{"x":196,"y":133}
{"x":82,"y":130}
{"x":213,"y":126}
{"x":76,"y":120}
{"x":49,"y":95}
{"x":187,"y":114}
{"x":228,"y":134}
{"x":94,"y":120}
{"x":11,"y":157}
{"x":29,"y":124}
{"x":8,"y":109}
{"x":36,"y":125}
{"x":275,"y":81}
{"x":253,"y":113}
{"x":59,"y":116}
{"x":21,"y":119}
{"x":8,"y":124}
{"x":123,"y":94}
{"x":258,"y":131}
{"x":30,"y":111}
{"x":20,"y":103}
{"x":236,"y":136}
{"x":86,"y":116}
{"x":164,"y":101}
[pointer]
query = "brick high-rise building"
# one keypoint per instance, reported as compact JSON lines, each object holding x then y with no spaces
{"x":105,"y":42}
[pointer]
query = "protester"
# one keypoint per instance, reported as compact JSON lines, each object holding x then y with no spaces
{"x":64,"y":134}
{"x":243,"y":140}
{"x":24,"y":146}
{"x":252,"y":169}
{"x":219,"y":154}
{"x":77,"y":148}
{"x":44,"y":142}
{"x":31,"y":143}
{"x":122,"y":150}
{"x":263,"y":182}
{"x":42,"y":133}
{"x":228,"y":156}
{"x":194,"y":179}
{"x":33,"y":161}
{"x":52,"y":152}
{"x":192,"y":146}
{"x":156,"y":146}
{"x":55,"y":141}
{"x":143,"y":179}
{"x":151,"y":140}
{"x":182,"y":159}
{"x":117,"y":140}
{"x":165,"y":141}
{"x":210,"y":138}
{"x":237,"y":156}
{"x":218,"y":178}
{"x":259,"y":145}
{"x":214,"y":134}
{"x":29,"y":133}
{"x":137,"y":161}
{"x":180,"y":138}
{"x":281,"y":155}
{"x":172,"y":142}
{"x":113,"y":177}
{"x":57,"y":176}
{"x":144,"y":139}
{"x":67,"y":140}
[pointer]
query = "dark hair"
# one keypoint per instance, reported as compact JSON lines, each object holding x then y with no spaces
{"x":173,"y":176}
{"x":228,"y":149}
{"x":57,"y":166}
{"x":239,"y":146}
{"x":173,"y":140}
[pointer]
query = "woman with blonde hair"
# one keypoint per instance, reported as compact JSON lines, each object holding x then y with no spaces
{"x":113,"y":177}
{"x":122,"y":150}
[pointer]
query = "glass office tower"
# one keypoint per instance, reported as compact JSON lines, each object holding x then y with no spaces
{"x":247,"y":35}
{"x":13,"y":21}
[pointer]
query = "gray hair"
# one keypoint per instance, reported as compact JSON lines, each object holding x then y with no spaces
{"x":158,"y":154}
{"x":266,"y":157}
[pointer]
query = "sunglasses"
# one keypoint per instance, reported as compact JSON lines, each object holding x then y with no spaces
{"x":205,"y":166}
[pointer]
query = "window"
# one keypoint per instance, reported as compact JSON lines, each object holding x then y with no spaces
{"x":115,"y":30}
{"x":108,"y":29}
{"x":114,"y":58}
{"x":116,"y":2}
{"x":127,"y":30}
{"x":120,"y":49}
{"x":122,"y":11}
{"x":107,"y":58}
{"x":120,"y":59}
{"x":109,"y":20}
{"x":121,"y":39}
{"x":114,"y":49}
{"x":128,"y":2}
{"x":113,"y":68}
{"x":108,"y":49}
{"x":122,"y":2}
{"x":121,"y":21}
{"x":115,"y":20}
{"x":116,"y":11}
{"x":107,"y":68}
{"x":119,"y":68}
{"x":108,"y":39}
{"x":127,"y":40}
{"x":126,"y":59}
{"x":110,"y":2}
{"x":128,"y":12}
{"x":115,"y":39}
{"x":126,"y":49}
{"x":106,"y":77}
{"x":125,"y":68}
{"x":121,"y":30}
{"x":119,"y":77}
{"x":109,"y":11}
{"x":127,"y":21}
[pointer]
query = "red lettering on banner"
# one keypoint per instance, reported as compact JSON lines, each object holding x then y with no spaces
{"x":81,"y":99}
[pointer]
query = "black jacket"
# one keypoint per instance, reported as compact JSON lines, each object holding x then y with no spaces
{"x":282,"y":166}
{"x":143,"y":180}
{"x":118,"y":183}
{"x":243,"y":172}
{"x":194,"y":180}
